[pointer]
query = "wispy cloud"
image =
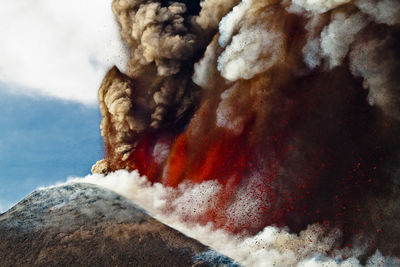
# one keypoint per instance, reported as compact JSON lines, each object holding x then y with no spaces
{"x":58,"y":48}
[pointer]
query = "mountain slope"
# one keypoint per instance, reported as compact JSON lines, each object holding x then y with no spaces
{"x":82,"y":224}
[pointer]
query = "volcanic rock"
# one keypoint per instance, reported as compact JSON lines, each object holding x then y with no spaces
{"x":85,"y":225}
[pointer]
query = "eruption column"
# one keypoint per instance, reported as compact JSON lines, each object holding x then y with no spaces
{"x":291,"y":106}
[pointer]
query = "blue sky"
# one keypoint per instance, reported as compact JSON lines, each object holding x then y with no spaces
{"x":43,"y":141}
{"x":53,"y":57}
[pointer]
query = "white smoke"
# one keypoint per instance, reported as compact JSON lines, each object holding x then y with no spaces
{"x":379,"y":77}
{"x":251,"y":46}
{"x":230,"y":22}
{"x":337,"y":37}
{"x":252,"y":51}
{"x":317,"y":6}
{"x":383,"y":11}
{"x":270,"y":247}
{"x":228,"y":116}
{"x":204,"y":70}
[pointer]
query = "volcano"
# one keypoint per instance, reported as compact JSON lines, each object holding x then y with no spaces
{"x":83,"y":224}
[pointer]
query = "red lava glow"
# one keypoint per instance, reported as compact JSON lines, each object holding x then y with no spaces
{"x":300,"y":165}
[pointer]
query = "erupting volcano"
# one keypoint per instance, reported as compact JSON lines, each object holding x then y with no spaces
{"x":291,"y":108}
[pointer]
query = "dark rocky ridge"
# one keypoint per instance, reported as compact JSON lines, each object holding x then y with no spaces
{"x":85,"y":225}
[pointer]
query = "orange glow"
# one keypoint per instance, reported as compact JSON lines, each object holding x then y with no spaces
{"x":177,"y":161}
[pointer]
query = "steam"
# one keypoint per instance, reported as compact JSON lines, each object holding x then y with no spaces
{"x":337,"y":37}
{"x":318,"y":6}
{"x":273,"y":117}
{"x":314,"y":246}
{"x":242,"y":58}
{"x":378,"y":76}
{"x":386,"y":11}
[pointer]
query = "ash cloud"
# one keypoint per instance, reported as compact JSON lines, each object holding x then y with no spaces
{"x":292,"y":105}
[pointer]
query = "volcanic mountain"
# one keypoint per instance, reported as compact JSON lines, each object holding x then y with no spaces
{"x":84,"y":225}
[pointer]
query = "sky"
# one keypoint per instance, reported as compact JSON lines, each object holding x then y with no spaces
{"x":53,"y":56}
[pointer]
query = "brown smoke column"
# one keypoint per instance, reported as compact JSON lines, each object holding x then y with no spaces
{"x":293,"y":105}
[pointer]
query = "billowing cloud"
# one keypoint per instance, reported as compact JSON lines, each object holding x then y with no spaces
{"x":57,"y":48}
{"x":292,"y":106}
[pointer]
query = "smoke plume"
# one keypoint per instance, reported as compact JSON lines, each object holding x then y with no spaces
{"x":317,"y":245}
{"x":283,"y":113}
